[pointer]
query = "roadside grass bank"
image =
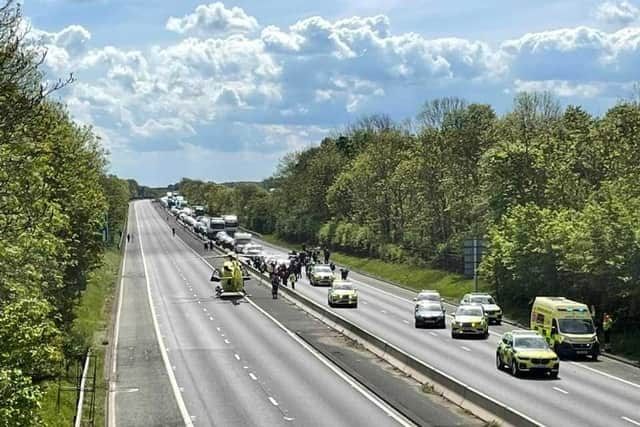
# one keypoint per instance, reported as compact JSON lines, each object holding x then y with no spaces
{"x":93,"y":316}
{"x":451,"y":286}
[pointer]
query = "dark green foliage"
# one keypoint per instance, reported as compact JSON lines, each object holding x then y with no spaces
{"x":554,"y":191}
{"x":54,"y":197}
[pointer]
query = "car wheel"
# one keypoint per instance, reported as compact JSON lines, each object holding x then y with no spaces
{"x":499,"y":363}
{"x":453,"y":334}
{"x":553,"y":375}
{"x":443,"y":325}
{"x":498,"y":322}
{"x":417,"y":324}
{"x":514,"y":369}
{"x":330,"y":303}
{"x":485,"y":335}
{"x":355,"y":305}
{"x":594,"y":356}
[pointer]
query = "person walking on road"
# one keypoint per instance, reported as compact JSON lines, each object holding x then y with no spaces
{"x":275,"y":284}
{"x":292,"y":279}
{"x":607,"y":323}
{"x":128,"y":237}
{"x":326,"y":254}
{"x":173,"y":231}
{"x":332,"y":266}
{"x":344,"y":272}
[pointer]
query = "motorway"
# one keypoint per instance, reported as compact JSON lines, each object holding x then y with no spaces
{"x":227,"y":365}
{"x":603,"y":393}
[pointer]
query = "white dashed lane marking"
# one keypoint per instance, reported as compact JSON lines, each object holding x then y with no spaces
{"x":629,"y":420}
{"x":406,"y":321}
{"x":433,"y":333}
{"x":252,"y":376}
{"x":561,"y":390}
{"x":273,"y":401}
{"x":227,"y":342}
{"x":236,"y":356}
{"x":465,"y":348}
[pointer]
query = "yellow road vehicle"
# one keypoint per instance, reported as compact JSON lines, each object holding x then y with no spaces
{"x":566,"y":325}
{"x":343,"y":293}
{"x":469,"y":320}
{"x":321,"y":274}
{"x":526,"y":351}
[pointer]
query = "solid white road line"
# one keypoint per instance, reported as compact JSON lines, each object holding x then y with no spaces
{"x":356,"y":386}
{"x":172,"y":378}
{"x":561,"y":390}
{"x":379,"y":403}
{"x":613,"y":377}
{"x":629,"y":420}
{"x":114,"y":361}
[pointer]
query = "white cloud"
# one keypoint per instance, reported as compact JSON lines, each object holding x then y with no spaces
{"x":62,"y":47}
{"x":575,"y":54}
{"x":228,"y":87}
{"x":213,"y":20}
{"x":561,"y":88}
{"x":617,"y":13}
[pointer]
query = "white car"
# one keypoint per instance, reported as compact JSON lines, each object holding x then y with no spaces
{"x":491,"y":309}
{"x":427,"y":295}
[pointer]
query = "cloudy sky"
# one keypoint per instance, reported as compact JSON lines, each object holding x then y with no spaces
{"x":220,"y":91}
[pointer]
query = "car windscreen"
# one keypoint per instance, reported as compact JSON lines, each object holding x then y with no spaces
{"x":532,"y":342}
{"x":321,"y":269}
{"x":343,"y":287}
{"x":576,"y":326}
{"x":429,"y":307}
{"x":428,"y":297}
{"x":469,"y":311}
{"x":482,"y":300}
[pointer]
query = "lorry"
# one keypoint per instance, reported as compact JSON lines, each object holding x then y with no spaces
{"x":566,"y":325}
{"x":230,"y":224}
{"x":198,"y":210}
{"x":216,"y":224}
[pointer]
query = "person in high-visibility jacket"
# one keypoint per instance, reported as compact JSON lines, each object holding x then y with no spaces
{"x":607,"y":323}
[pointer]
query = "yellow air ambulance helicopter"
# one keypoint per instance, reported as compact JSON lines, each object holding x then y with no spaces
{"x":231,"y":278}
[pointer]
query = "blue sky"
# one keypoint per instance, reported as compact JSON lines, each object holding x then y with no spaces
{"x":222,"y":90}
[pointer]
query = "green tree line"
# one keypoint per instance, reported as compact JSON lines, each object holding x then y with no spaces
{"x":553,"y":190}
{"x":55,"y":201}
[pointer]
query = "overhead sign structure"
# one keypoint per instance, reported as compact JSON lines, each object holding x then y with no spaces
{"x":473,"y":250}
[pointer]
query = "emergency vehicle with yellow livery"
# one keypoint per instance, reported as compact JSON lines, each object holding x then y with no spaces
{"x":566,"y":325}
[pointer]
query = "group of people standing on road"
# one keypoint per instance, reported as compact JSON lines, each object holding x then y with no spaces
{"x":282,"y":274}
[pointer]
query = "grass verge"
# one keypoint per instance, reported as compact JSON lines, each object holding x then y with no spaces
{"x":451,"y":286}
{"x":93,"y":315}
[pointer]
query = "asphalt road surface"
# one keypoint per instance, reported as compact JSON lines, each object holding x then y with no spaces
{"x":603,"y":393}
{"x":230,"y":365}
